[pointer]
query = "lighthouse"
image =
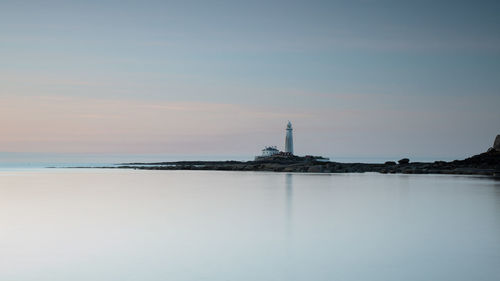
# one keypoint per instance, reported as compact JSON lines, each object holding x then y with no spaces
{"x":289,"y":138}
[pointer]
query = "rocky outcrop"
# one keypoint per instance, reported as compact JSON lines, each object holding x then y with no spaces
{"x":404,"y":161}
{"x":496,"y":144}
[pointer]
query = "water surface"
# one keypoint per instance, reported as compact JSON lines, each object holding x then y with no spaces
{"x":206,"y":225}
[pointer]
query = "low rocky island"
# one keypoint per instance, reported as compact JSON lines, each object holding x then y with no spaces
{"x":487,"y":163}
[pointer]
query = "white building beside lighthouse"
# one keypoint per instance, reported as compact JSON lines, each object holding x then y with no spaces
{"x":289,"y":138}
{"x":269,"y":151}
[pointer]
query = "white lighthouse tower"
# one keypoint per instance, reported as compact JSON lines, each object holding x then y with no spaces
{"x":289,"y":138}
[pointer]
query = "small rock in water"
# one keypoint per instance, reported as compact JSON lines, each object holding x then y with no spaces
{"x":404,"y":161}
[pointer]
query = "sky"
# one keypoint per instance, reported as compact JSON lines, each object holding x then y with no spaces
{"x":356,"y":78}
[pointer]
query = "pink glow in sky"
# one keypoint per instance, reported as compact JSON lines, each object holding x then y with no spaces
{"x":92,"y":125}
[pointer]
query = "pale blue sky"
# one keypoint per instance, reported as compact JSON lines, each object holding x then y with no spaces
{"x":357,"y":78}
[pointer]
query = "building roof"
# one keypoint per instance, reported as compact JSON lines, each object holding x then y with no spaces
{"x":273,"y":148}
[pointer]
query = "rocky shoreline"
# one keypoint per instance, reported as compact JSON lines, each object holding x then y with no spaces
{"x":487,"y":163}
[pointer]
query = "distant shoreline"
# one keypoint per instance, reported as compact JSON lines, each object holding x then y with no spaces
{"x":487,"y":163}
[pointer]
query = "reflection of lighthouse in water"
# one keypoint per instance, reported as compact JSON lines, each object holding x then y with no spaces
{"x":288,"y":202}
{"x":289,"y":138}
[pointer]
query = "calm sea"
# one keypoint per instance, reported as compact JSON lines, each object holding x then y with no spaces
{"x":64,"y":224}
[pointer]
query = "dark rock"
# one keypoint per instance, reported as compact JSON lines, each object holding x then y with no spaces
{"x":489,"y":159}
{"x":315,"y":169}
{"x":390,"y":163}
{"x":404,"y":161}
{"x":496,"y":144}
